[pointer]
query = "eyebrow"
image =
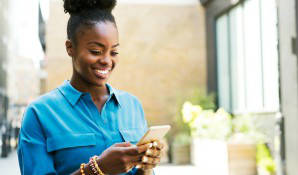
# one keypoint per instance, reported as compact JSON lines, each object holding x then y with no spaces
{"x":102,"y":45}
{"x":116,"y":45}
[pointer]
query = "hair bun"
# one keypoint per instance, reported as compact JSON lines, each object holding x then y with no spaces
{"x":77,"y":6}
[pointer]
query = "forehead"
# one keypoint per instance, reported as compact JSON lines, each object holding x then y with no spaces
{"x":105,"y":32}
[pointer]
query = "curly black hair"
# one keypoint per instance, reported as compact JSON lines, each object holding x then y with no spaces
{"x":87,"y":13}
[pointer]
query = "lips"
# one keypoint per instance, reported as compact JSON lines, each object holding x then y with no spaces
{"x":101,"y":73}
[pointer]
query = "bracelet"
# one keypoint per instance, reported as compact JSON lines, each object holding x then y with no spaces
{"x":93,"y":168}
{"x":96,"y":165}
{"x":82,"y":169}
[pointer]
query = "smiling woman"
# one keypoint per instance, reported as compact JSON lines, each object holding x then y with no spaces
{"x":85,"y":126}
{"x":94,"y":55}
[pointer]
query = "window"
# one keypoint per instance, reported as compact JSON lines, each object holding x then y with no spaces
{"x":247,"y":58}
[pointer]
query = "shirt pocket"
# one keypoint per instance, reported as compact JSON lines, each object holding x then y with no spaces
{"x":132,"y":135}
{"x":64,"y":141}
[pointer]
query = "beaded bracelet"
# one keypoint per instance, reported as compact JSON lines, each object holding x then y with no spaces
{"x":82,"y":169}
{"x":93,"y":168}
{"x":96,"y":165}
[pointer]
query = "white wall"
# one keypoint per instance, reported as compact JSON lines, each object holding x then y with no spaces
{"x":289,"y":82}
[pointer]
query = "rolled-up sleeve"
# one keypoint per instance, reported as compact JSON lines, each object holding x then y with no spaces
{"x":32,"y":151}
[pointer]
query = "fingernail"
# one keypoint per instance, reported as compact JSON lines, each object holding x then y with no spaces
{"x":149,"y":152}
{"x":150,"y":145}
{"x":155,"y":144}
{"x":145,"y":159}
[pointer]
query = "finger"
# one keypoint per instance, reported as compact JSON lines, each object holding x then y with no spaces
{"x":153,"y":153}
{"x":133,"y":150}
{"x":138,"y":166}
{"x":144,"y":148}
{"x":123,"y":144}
{"x":148,"y":166}
{"x":135,"y":159}
{"x":157,"y":144}
{"x":150,"y":160}
{"x":137,"y":150}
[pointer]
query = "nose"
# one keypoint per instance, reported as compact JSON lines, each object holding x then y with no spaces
{"x":105,"y":60}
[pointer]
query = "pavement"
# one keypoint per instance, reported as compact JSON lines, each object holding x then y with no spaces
{"x":10,"y":166}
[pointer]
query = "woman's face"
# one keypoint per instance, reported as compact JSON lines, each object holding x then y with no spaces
{"x":95,"y":53}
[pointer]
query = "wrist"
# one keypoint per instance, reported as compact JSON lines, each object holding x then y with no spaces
{"x":88,"y":169}
{"x":101,"y":167}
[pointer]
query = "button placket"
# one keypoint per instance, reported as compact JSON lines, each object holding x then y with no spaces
{"x":94,"y":111}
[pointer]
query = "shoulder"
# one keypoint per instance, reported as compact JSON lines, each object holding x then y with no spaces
{"x":46,"y":104}
{"x":46,"y":99}
{"x":31,"y":122}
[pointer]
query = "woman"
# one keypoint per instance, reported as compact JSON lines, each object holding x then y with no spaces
{"x":85,"y":126}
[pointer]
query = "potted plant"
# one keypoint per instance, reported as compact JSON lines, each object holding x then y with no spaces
{"x":209,"y":130}
{"x":180,"y":145}
{"x":229,"y":143}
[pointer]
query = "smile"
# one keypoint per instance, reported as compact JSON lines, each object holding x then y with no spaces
{"x":104,"y":72}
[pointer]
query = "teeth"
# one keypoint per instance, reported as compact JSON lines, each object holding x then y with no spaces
{"x":102,"y":71}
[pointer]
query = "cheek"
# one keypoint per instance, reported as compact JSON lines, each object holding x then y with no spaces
{"x":115,"y":61}
{"x":80,"y":65}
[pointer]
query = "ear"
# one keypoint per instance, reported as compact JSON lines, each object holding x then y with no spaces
{"x":69,"y":48}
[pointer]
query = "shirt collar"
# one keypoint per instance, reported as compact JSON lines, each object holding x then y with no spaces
{"x":73,"y":95}
{"x":113,"y":93}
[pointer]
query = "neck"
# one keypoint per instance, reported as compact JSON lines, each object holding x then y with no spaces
{"x":97,"y":92}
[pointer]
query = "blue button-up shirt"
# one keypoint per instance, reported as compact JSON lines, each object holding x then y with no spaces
{"x":63,"y":128}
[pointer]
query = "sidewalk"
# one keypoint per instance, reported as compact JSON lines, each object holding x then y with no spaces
{"x":10,"y":166}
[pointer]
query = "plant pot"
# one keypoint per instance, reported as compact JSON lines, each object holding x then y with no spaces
{"x":242,"y":159}
{"x":180,"y":154}
{"x":209,"y":156}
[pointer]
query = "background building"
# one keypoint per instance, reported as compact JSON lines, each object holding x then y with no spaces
{"x":252,"y":66}
{"x":22,"y":48}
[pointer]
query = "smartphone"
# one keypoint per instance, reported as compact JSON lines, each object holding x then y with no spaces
{"x":154,"y":133}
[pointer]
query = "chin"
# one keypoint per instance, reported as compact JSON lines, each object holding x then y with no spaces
{"x":100,"y":83}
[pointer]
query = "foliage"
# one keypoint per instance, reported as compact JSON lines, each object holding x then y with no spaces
{"x":264,"y":158}
{"x":245,"y":130}
{"x":205,"y":101}
{"x":207,"y":123}
{"x":198,"y":97}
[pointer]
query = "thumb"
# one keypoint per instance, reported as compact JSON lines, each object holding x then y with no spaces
{"x":123,"y":144}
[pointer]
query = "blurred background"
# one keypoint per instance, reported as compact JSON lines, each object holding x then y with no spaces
{"x":222,"y":73}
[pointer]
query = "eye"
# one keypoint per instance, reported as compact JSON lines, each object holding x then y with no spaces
{"x":114,"y":53}
{"x":96,"y":52}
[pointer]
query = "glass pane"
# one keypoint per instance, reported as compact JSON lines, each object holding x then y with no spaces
{"x":223,"y":72}
{"x":237,"y":60}
{"x":253,"y":56}
{"x":270,"y":55}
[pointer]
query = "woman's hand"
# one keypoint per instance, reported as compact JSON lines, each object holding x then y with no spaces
{"x":151,"y":158}
{"x":121,"y":158}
